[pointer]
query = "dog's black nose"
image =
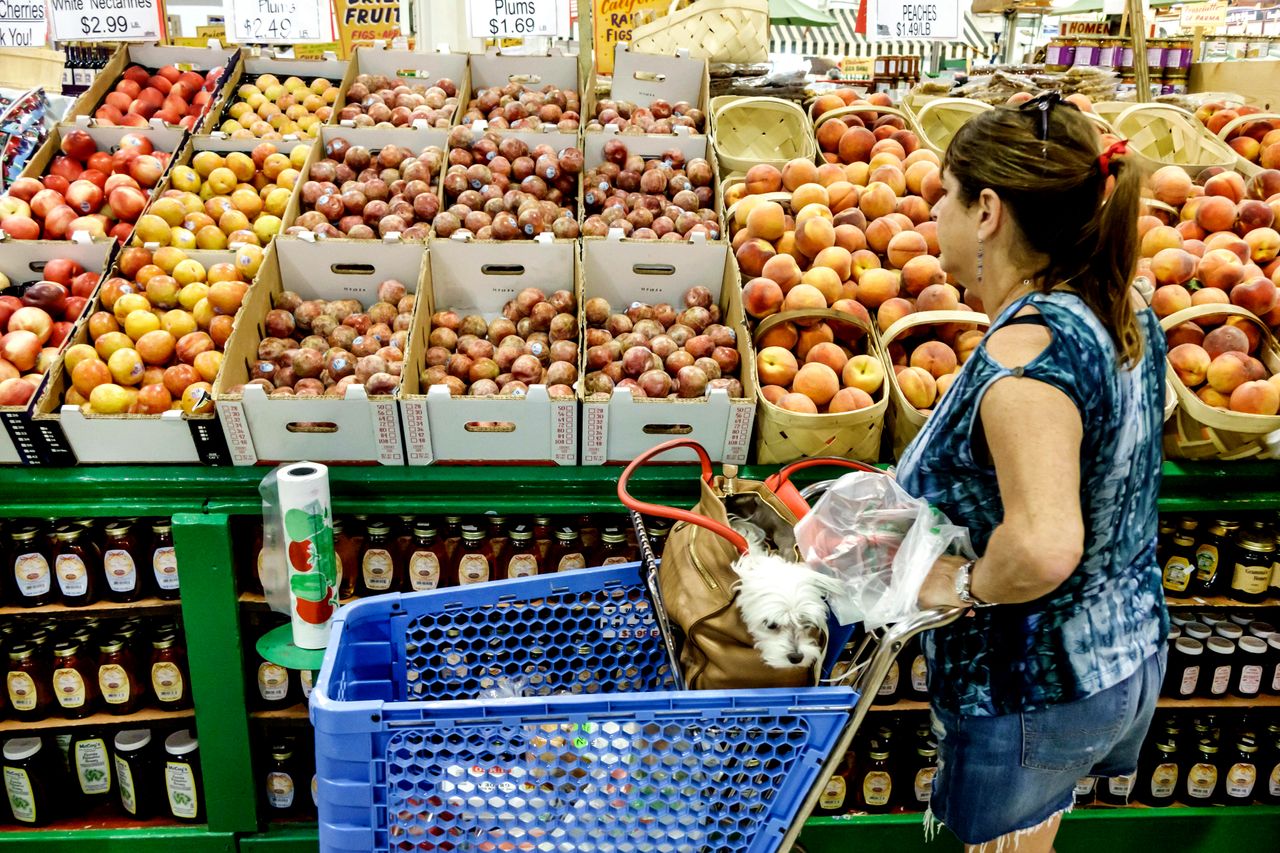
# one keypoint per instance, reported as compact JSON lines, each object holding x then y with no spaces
{"x":795,"y":657}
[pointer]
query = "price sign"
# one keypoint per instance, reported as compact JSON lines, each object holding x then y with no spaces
{"x":278,"y":21}
{"x":1210,"y":16}
{"x":23,"y":23}
{"x":514,"y":19}
{"x":106,"y":20}
{"x":903,"y":19}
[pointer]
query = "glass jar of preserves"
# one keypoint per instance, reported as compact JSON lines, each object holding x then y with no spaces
{"x":120,"y":565}
{"x":891,"y":687}
{"x":426,"y":557}
{"x":347,"y":549}
{"x":275,"y":685}
{"x":1158,"y":774}
{"x":379,"y":572}
{"x":1271,"y":677}
{"x":118,"y":678}
{"x":73,"y":681}
{"x":1115,"y":790}
{"x":1202,"y":774}
{"x":164,"y":561}
{"x":524,"y":558}
{"x":588,"y":532}
{"x":403,"y":533}
{"x":497,"y":534}
{"x":169,"y":673}
{"x":30,"y":568}
{"x":926,"y":768}
{"x":658,"y":531}
{"x":1212,"y":554}
{"x":182,"y":777}
{"x":613,"y":549}
{"x":1252,"y":665}
{"x":1220,"y":656}
{"x":76,"y":565}
{"x":874,"y":790}
{"x":542,"y":534}
{"x":282,"y":781}
{"x":1179,"y":564}
{"x":136,"y":777}
{"x":1085,"y":791}
{"x":90,"y":760}
{"x":26,"y":782}
{"x":834,"y":799}
{"x":473,"y":560}
{"x":452,"y":535}
{"x":1186,"y":662}
{"x":1255,"y":552}
{"x":567,"y":551}
{"x":27,"y":685}
{"x":1240,"y":778}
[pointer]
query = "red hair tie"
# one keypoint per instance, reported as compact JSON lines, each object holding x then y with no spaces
{"x":1120,"y":146}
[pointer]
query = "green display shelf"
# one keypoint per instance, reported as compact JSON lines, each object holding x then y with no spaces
{"x":167,"y":839}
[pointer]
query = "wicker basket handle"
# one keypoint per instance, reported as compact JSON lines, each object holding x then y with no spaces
{"x":1155,"y":108}
{"x":1240,"y":121}
{"x":825,"y":313}
{"x":1159,"y":205}
{"x":1210,"y":309}
{"x":923,"y":318}
{"x":778,"y":197}
{"x":968,"y":103}
{"x":759,"y":102}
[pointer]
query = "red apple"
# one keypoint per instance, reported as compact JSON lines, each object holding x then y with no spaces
{"x":78,"y":144}
{"x":137,"y":142}
{"x":8,"y":304}
{"x":82,"y":286}
{"x":48,"y":296}
{"x":15,"y":392}
{"x":74,"y":308}
{"x":84,"y":197}
{"x":20,"y":227}
{"x":61,"y":270}
{"x":61,"y":331}
{"x":21,"y":348}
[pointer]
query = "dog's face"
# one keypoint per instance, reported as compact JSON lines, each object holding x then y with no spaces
{"x":784,"y":608}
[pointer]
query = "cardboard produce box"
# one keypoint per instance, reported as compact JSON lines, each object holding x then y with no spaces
{"x":618,"y":429}
{"x":153,"y":57}
{"x":480,"y":278}
{"x":254,"y":63}
{"x":642,"y":78}
{"x":359,"y":427}
{"x":408,"y":67}
{"x":532,"y":72}
{"x":22,"y":262}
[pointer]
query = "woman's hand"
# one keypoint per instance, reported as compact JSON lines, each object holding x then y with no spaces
{"x":939,"y":588}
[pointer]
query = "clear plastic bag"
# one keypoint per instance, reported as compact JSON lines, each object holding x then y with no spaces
{"x":880,"y":542}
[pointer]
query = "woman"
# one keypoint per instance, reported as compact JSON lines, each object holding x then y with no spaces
{"x":1047,"y":447}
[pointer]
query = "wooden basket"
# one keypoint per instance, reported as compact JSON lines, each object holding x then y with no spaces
{"x":939,"y":119}
{"x":783,"y":436}
{"x":1200,"y":431}
{"x":749,"y":131}
{"x":1162,"y":135}
{"x":914,"y":102}
{"x":906,"y":420}
{"x":1109,"y":111}
{"x":1103,"y":125}
{"x":735,"y":31}
{"x":859,"y":109}
{"x":1248,"y":168}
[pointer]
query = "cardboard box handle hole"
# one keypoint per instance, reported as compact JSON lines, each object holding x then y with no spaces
{"x":312,"y":427}
{"x":667,"y":429}
{"x":650,"y":76}
{"x":351,"y":269}
{"x":653,"y":269}
{"x":502,"y":269}
{"x":490,"y":426}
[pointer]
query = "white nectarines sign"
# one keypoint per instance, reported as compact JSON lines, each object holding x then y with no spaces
{"x":907,"y":19}
{"x":106,"y":20}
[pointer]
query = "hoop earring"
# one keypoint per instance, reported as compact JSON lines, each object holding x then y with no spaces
{"x":980,"y":254}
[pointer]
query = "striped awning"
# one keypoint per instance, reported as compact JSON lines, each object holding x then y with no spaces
{"x":841,"y":40}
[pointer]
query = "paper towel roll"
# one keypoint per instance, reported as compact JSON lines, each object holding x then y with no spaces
{"x":306,"y":528}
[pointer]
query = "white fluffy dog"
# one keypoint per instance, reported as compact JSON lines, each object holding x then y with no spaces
{"x":784,"y":606}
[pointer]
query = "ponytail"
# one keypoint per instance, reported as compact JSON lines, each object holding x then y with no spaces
{"x":1111,"y":267}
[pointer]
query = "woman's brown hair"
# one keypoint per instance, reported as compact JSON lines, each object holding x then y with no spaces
{"x":1041,"y":159}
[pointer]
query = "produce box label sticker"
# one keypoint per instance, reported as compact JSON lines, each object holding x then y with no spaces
{"x":23,"y":24}
{"x":515,"y":19}
{"x":107,"y":20}
{"x":279,"y":21}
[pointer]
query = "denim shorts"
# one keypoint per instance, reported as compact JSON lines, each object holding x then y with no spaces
{"x":1000,"y":774}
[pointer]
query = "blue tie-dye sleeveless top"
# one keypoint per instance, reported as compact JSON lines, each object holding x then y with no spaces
{"x":1095,"y":629}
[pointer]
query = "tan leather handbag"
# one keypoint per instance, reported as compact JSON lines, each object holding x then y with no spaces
{"x":695,"y":579}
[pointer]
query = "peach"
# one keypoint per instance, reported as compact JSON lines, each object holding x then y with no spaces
{"x":762,"y":297}
{"x":1210,"y":296}
{"x":838,"y":259}
{"x":863,"y":260}
{"x":804,"y":297}
{"x":843,"y":195}
{"x":880,"y":232}
{"x":920,"y":273}
{"x":798,"y":403}
{"x":1256,"y":398}
{"x":878,"y":199}
{"x":918,"y":386}
{"x":782,"y":335}
{"x":1252,"y":334}
{"x":1210,"y":397}
{"x":916,"y":173}
{"x":799,"y":172}
{"x":1264,"y":244}
{"x":773,"y":393}
{"x":1247,"y":147}
{"x":1229,"y":241}
{"x":1190,"y":363}
{"x":892,"y":176}
{"x":807,"y":194}
{"x":1173,"y":266}
{"x":864,"y":372}
{"x":766,"y":221}
{"x":904,"y":246}
{"x":945,"y":383}
{"x":938,"y":297}
{"x":1256,"y":294}
{"x":776,"y":366}
{"x":1270,"y":156}
{"x":1169,"y":299}
{"x":817,"y":381}
{"x":812,"y":336}
{"x":967,"y":342}
{"x":1219,"y":268}
{"x":763,"y":178}
{"x":826,"y":280}
{"x":1195,"y":247}
{"x":915,"y":209}
{"x":1170,"y":184}
{"x":1252,"y":214}
{"x":935,"y":357}
{"x":850,"y":400}
{"x":828,"y":353}
{"x":1224,"y":339}
{"x":1216,"y":213}
{"x":931,"y":187}
{"x":1190,"y":231}
{"x":891,"y":311}
{"x":832,"y":173}
{"x":1160,"y":238}
{"x":784,"y":270}
{"x":1266,"y":183}
{"x":877,"y":285}
{"x":824,"y":104}
{"x":752,"y":256}
{"x":855,"y":145}
{"x":829,"y":133}
{"x":929,"y":231}
{"x":1185,"y":333}
{"x":815,"y":235}
{"x":1228,"y":185}
{"x":1226,"y":373}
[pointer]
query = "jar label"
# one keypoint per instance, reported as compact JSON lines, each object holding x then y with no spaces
{"x":890,"y":684}
{"x":1240,"y":781}
{"x":124,"y":783}
{"x":522,"y":566}
{"x":1206,"y":563}
{"x":307,"y":679}
{"x":1201,"y":780}
{"x":22,"y":799}
{"x":73,"y":577}
{"x":113,"y":683}
{"x":1251,"y":580}
{"x":1273,"y":784}
{"x":1120,"y":786}
{"x":122,"y":575}
{"x":273,"y":682}
{"x":1084,"y":786}
{"x":1250,"y":678}
{"x":164,"y":562}
{"x":424,"y":571}
{"x":280,"y":790}
{"x":833,"y":794}
{"x":1275,"y":679}
{"x":473,"y":568}
{"x":1164,"y":780}
{"x":180,"y":785}
{"x":166,"y":681}
{"x":876,"y":787}
{"x":376,"y":568}
{"x":1221,"y":680}
{"x":569,"y":562}
{"x":615,"y":561}
{"x":68,"y":686}
{"x":1190,"y":676}
{"x":22,"y":691}
{"x":31,"y":571}
{"x":919,"y":675}
{"x":924,"y":784}
{"x":91,"y":766}
{"x":1177,"y":574}
{"x":315,"y":790}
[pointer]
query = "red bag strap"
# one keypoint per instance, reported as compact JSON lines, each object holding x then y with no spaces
{"x":722,"y":530}
{"x":780,"y":483}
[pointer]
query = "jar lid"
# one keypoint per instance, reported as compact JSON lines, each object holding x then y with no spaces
{"x":1212,"y":617}
{"x":566,"y":534}
{"x":118,"y":528}
{"x":181,"y":743}
{"x":281,"y":752}
{"x":379,"y":528}
{"x":1274,"y":640}
{"x":66,"y":648}
{"x":1229,"y":630}
{"x":1188,"y":523}
{"x":1208,"y":746}
{"x":542,"y":519}
{"x":1179,"y":620}
{"x":22,"y":651}
{"x":879,"y":755}
{"x":471,"y":533}
{"x":164,"y":642}
{"x":1174,"y":633}
{"x":1261,"y":630}
{"x":1221,"y":645}
{"x":424,"y":528}
{"x":1167,"y":747}
{"x":130,"y":740}
{"x":1189,"y":647}
{"x":1253,"y":646}
{"x":67,"y":532}
{"x":1241,"y":619}
{"x":521,"y":533}
{"x":161,"y":527}
{"x":453,"y":519}
{"x":613,"y":535}
{"x":493,"y":518}
{"x":19,"y":748}
{"x":1184,"y":539}
{"x":111,"y":646}
{"x":25,"y":534}
{"x":1197,"y":630}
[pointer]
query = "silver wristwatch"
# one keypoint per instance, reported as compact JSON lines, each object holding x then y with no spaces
{"x":964,"y":585}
